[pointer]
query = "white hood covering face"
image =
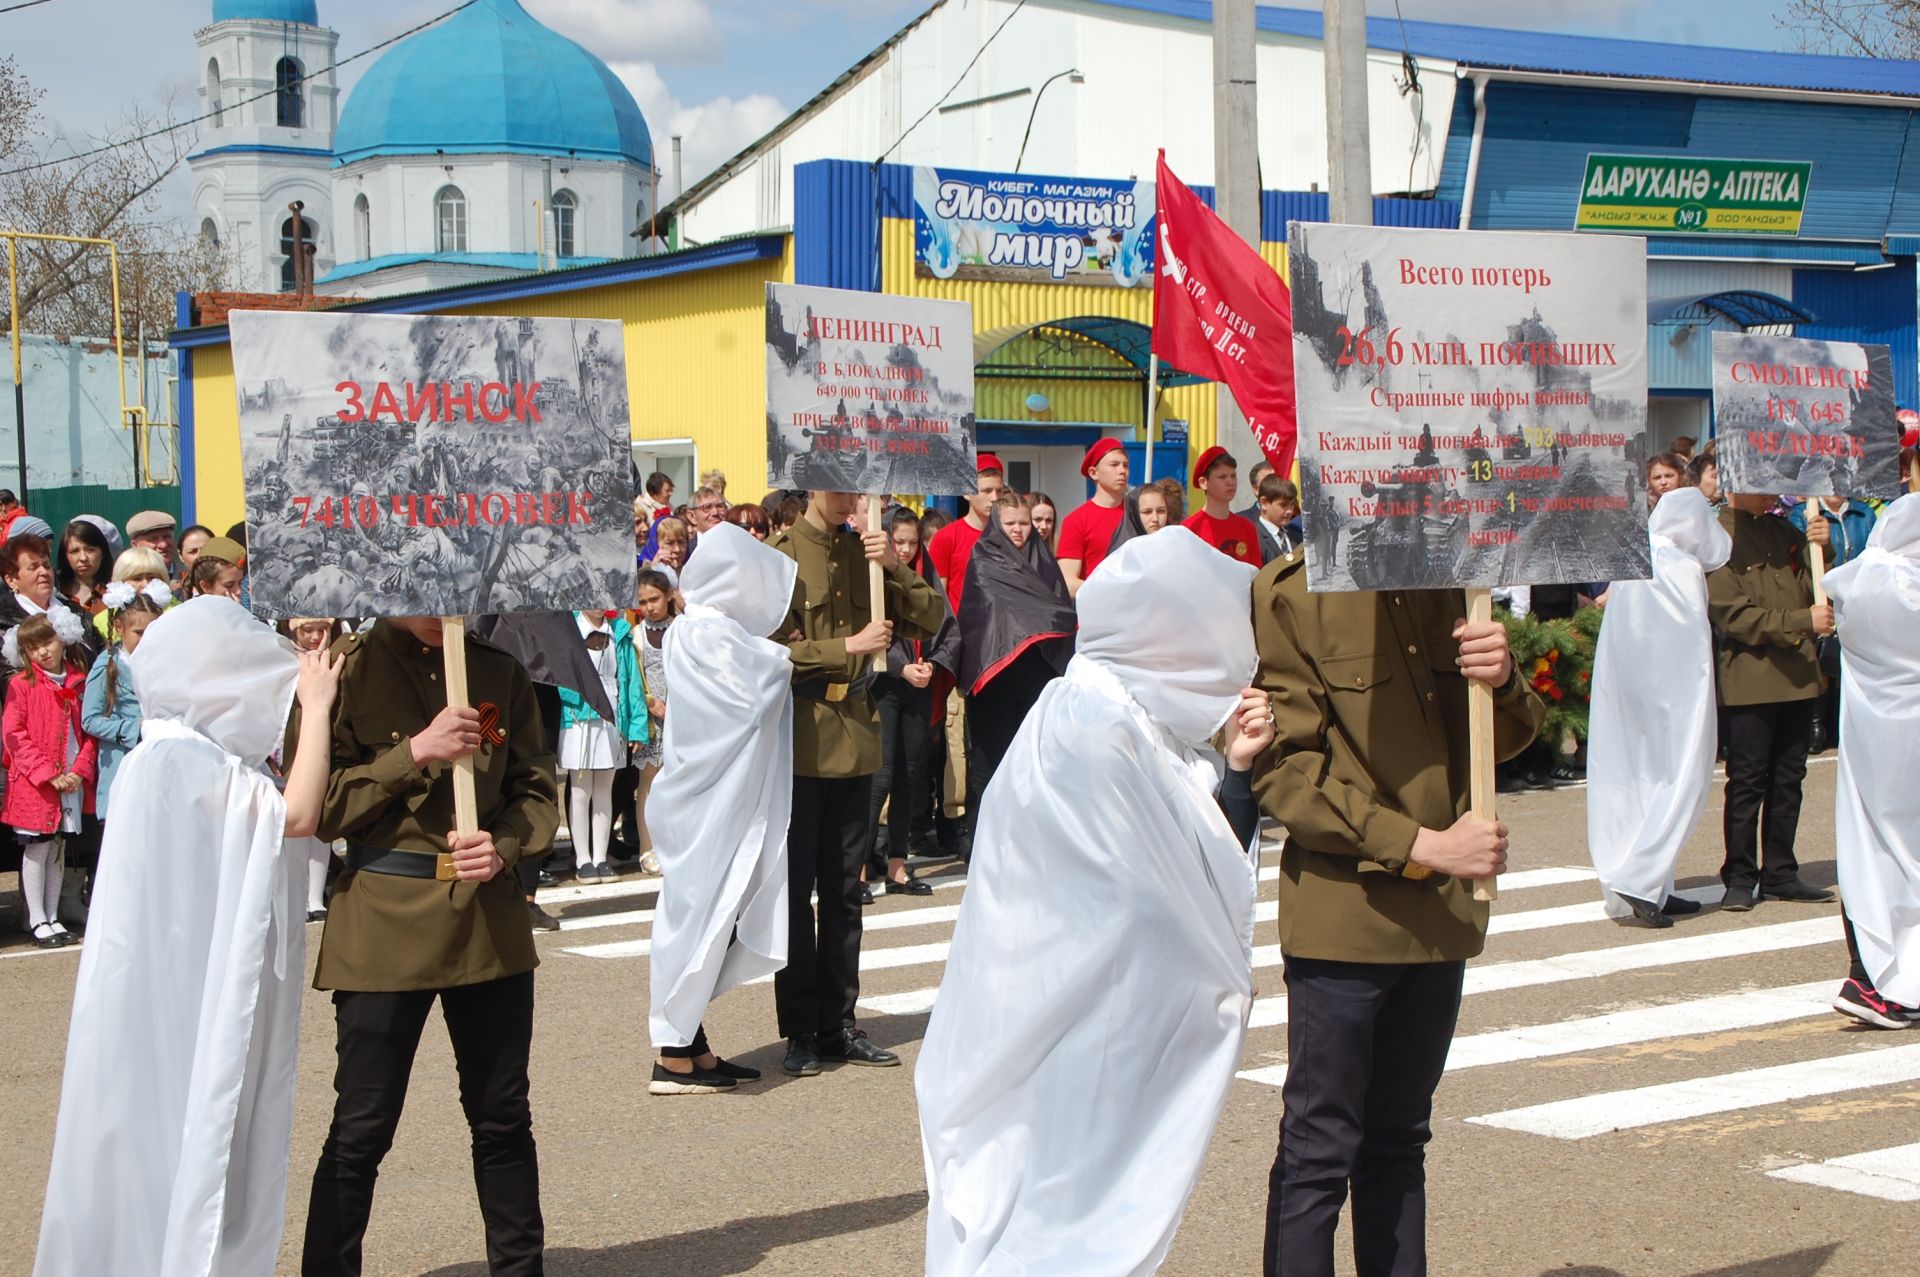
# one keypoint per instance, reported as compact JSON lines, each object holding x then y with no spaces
{"x":1876,"y":603}
{"x":718,"y":810}
{"x":1096,"y":995}
{"x":170,"y":1157}
{"x":1651,"y":732}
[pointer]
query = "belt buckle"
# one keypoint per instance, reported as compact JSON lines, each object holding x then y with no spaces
{"x":443,"y":870}
{"x":836,"y":692}
{"x":1416,"y":873}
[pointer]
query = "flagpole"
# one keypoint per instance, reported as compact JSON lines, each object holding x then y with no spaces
{"x":1153,"y":405}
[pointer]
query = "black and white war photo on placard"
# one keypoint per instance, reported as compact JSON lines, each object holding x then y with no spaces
{"x":433,"y":465}
{"x":1797,"y":417}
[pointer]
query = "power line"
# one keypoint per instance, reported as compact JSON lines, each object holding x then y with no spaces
{"x":273,"y":92}
{"x":28,"y":4}
{"x":977,"y":54}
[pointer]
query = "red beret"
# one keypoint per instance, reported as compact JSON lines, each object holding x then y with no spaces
{"x":1205,"y":463}
{"x":1100,"y":448}
{"x":989,"y":462}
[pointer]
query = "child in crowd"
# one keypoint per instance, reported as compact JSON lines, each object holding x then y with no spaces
{"x":110,"y":710}
{"x":139,"y":566}
{"x":592,"y":748}
{"x":51,"y":762}
{"x":1217,"y":475}
{"x":658,"y":605}
{"x":214,"y":576}
{"x":1046,"y":517}
{"x":312,"y":634}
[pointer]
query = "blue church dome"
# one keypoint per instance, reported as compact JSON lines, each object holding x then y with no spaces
{"x":488,"y":80}
{"x":307,"y":11}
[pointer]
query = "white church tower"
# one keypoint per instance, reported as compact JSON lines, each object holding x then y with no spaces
{"x":268,"y":138}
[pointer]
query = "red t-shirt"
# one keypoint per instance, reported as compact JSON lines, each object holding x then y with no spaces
{"x":1233,"y":535}
{"x":1087,"y":535}
{"x":950,"y":549}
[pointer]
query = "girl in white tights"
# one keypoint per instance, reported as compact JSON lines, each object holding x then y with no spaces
{"x":593,"y":747}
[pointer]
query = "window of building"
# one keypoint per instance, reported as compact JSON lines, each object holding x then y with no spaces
{"x":565,"y":206}
{"x":288,"y":93}
{"x":362,"y":228}
{"x":287,"y":274}
{"x":210,"y":231}
{"x":214,"y":104}
{"x":450,"y":216}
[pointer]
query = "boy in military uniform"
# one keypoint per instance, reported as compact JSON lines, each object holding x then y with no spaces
{"x":1761,"y":605}
{"x":1369,"y":772}
{"x":834,"y":636}
{"x":425,"y":913}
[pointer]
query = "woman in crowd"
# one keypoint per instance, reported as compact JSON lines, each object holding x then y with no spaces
{"x":658,"y":605}
{"x":138,"y":566}
{"x":1174,"y":493}
{"x":110,"y":710}
{"x":783,"y":511}
{"x":51,"y":761}
{"x":83,"y":566}
{"x":1703,"y":472}
{"x":671,"y":542}
{"x":751,"y":517}
{"x":1046,"y":518}
{"x":1664,"y":473}
{"x":192,"y":541}
{"x":659,"y":496}
{"x":592,"y":747}
{"x":26,"y":565}
{"x":1145,"y":512}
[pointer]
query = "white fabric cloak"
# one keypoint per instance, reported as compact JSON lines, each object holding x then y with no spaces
{"x":1876,"y":603}
{"x":1651,"y":732}
{"x":718,"y":810}
{"x":1096,"y":996}
{"x":170,"y":1158}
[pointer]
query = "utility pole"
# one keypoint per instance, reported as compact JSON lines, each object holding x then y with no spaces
{"x":1236,"y":170}
{"x":1349,"y":158}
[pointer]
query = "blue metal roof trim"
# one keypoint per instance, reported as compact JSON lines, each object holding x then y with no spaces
{"x":1903,"y":245}
{"x":622,"y":270}
{"x":1495,"y":49}
{"x":1880,"y":307}
{"x":1708,"y":247}
{"x":499,"y":261}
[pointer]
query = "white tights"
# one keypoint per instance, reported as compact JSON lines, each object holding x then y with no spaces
{"x":590,"y":814}
{"x":317,"y":856}
{"x":40,"y":874}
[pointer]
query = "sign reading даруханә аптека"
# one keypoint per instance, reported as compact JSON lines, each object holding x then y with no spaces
{"x":1026,"y":230}
{"x":1472,"y":406}
{"x":433,"y":465}
{"x":1644,"y":193}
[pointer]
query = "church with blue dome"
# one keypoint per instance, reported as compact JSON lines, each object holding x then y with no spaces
{"x":486,"y":145}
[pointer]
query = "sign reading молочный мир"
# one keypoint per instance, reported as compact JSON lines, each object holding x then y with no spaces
{"x":1700,"y":196}
{"x":868,"y":392}
{"x":1015,"y":228}
{"x":433,"y":465}
{"x":1794,"y":417}
{"x":1472,"y":406}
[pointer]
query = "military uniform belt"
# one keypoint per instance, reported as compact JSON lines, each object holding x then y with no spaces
{"x":819,"y":689}
{"x":437,"y":866}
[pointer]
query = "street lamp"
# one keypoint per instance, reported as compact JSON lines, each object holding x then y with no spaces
{"x":1072,"y":76}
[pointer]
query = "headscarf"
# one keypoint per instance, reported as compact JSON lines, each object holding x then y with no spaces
{"x":212,"y":667}
{"x":739,"y":577}
{"x":1015,"y":599}
{"x":1685,"y":521}
{"x":548,"y":644}
{"x":1131,"y":524}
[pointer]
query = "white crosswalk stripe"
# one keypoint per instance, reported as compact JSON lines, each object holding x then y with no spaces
{"x":1891,"y":1174}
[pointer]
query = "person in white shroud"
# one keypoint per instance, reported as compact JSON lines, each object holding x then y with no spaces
{"x":1096,"y":996}
{"x":1876,"y":613}
{"x":170,"y":1156}
{"x":718,"y":810}
{"x":1651,"y":731}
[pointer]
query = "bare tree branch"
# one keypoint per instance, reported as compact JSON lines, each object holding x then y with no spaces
{"x":1863,"y":28}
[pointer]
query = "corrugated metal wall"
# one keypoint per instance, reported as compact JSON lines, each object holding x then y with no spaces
{"x":1875,"y":306}
{"x":1004,"y":398}
{"x":219,"y":494}
{"x":1680,"y":356}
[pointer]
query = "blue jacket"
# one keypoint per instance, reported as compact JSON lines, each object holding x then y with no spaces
{"x":1849,"y":529}
{"x":117,"y":729}
{"x":630,"y":707}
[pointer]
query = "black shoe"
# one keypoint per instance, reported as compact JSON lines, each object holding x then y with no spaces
{"x":1510,"y":785}
{"x":45,"y":937}
{"x":699,"y":1082}
{"x":1679,"y":907}
{"x":1738,"y":899}
{"x":866,"y":894}
{"x":541,"y":919}
{"x":316,"y":915}
{"x":546,"y":879}
{"x":851,"y":1046}
{"x":1645,"y":912}
{"x":1798,"y":891}
{"x":803,"y":1056}
{"x":911,"y":887}
{"x":1867,"y":1006}
{"x":738,"y":1072}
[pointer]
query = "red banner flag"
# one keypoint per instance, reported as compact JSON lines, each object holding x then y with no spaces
{"x":1220,"y":311}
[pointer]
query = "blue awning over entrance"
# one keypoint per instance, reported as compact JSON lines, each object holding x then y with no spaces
{"x":1745,"y":307}
{"x":1131,"y":341}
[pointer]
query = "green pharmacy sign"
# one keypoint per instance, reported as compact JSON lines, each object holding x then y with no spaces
{"x":1643,"y":193}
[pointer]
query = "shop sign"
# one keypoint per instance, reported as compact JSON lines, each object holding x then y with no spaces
{"x":1026,"y":230}
{"x":1660,"y":193}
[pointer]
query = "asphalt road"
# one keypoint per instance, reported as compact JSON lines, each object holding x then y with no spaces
{"x":1676,"y":1169}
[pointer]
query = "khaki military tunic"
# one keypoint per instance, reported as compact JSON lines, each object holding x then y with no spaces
{"x":837,"y":735}
{"x":1761,"y":605}
{"x":1370,"y":721}
{"x":386,"y":933}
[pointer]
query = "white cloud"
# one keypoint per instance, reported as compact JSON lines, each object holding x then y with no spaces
{"x":710,"y":131}
{"x":661,"y":30}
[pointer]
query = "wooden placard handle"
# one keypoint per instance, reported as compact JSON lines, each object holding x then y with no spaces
{"x":1480,"y":784}
{"x":1817,"y":559}
{"x":466,"y":807}
{"x":876,"y":580}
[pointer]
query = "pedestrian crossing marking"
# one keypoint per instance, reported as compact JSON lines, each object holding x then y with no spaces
{"x":1891,"y":1174}
{"x":925,"y":916}
{"x":1588,"y":1115}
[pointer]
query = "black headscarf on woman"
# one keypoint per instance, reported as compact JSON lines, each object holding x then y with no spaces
{"x":1015,"y":599}
{"x":1131,"y":525}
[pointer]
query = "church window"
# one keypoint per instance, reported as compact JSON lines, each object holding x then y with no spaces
{"x":210,"y":231}
{"x":362,"y":228}
{"x":288,"y":276}
{"x":565,"y":207}
{"x":288,"y":94}
{"x":450,"y":216}
{"x":214,"y":106}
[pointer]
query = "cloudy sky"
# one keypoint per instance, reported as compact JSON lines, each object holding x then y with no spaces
{"x":717,"y":72}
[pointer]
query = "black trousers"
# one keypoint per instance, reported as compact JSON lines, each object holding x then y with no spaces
{"x":994,"y":715}
{"x":491,"y":1027}
{"x":1856,"y":969}
{"x":1366,"y":1044}
{"x":691,"y":1051}
{"x":1766,"y":765}
{"x":906,"y":737}
{"x":826,"y":843}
